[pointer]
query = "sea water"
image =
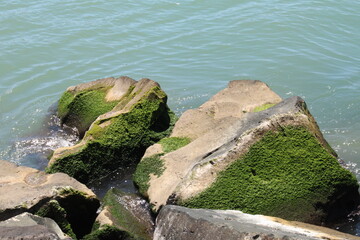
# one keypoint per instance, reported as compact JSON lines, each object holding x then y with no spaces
{"x":193,"y":48}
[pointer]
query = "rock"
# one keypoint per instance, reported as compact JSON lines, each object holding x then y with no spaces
{"x":118,"y":138}
{"x":273,"y":162}
{"x":127,"y":212}
{"x":29,"y":226}
{"x":71,"y":204}
{"x":80,"y":105}
{"x":179,"y":223}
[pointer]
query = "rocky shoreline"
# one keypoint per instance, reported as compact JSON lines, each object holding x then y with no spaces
{"x":245,"y":153}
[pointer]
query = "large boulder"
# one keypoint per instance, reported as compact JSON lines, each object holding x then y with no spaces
{"x":118,"y":138}
{"x":71,"y":204}
{"x":28,"y":226}
{"x":126,"y":212}
{"x":179,"y":223}
{"x":247,"y":154}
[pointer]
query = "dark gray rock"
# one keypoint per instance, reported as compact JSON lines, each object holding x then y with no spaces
{"x":29,"y":226}
{"x":180,"y":223}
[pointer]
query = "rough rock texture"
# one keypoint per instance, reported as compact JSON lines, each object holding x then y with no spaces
{"x":271,"y":161}
{"x":29,"y":226}
{"x":179,"y":223}
{"x":71,"y":204}
{"x":127,"y":212}
{"x":230,"y":104}
{"x":80,"y":105}
{"x":117,"y":138}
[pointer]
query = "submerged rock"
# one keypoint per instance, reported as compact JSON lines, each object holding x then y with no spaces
{"x":29,"y":226}
{"x":128,"y":213}
{"x":119,"y":137}
{"x":179,"y":223}
{"x":71,"y":204}
{"x":246,"y":156}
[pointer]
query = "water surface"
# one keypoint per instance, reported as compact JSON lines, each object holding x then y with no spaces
{"x":191,"y":47}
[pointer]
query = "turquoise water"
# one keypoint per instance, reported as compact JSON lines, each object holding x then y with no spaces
{"x":191,"y":47}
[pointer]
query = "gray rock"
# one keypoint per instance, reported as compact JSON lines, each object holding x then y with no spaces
{"x":28,"y":226}
{"x":179,"y":223}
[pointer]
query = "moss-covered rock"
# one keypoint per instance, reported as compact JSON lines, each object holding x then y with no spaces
{"x":79,"y":106}
{"x":148,"y":166}
{"x":126,"y":212}
{"x":53,"y":210}
{"x":286,"y":174}
{"x":268,"y":159}
{"x":119,"y":138}
{"x":152,"y":164}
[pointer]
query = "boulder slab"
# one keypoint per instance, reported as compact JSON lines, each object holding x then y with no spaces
{"x":118,"y":138}
{"x":261,"y":158}
{"x":71,"y":204}
{"x":29,"y":226}
{"x":180,"y":223}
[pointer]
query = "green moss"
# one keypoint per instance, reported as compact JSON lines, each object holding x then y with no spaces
{"x":64,"y":102}
{"x":81,"y":109}
{"x":263,"y":107}
{"x":150,"y":165}
{"x":286,"y":174}
{"x":121,"y":143}
{"x":66,"y":191}
{"x":173,"y":143}
{"x":54,"y":211}
{"x":107,"y":232}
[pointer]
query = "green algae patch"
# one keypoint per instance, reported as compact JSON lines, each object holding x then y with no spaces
{"x":82,"y":108}
{"x":107,"y":232}
{"x":54,"y":211}
{"x":264,"y":107}
{"x":173,"y":143}
{"x":120,"y":141}
{"x":152,"y":165}
{"x":286,"y":174}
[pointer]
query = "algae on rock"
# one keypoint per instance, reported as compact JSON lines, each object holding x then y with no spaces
{"x":118,"y":139}
{"x":80,"y":105}
{"x":286,"y":174}
{"x":252,"y":152}
{"x":153,"y":164}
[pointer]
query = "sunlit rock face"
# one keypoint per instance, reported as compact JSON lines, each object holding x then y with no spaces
{"x":251,"y":151}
